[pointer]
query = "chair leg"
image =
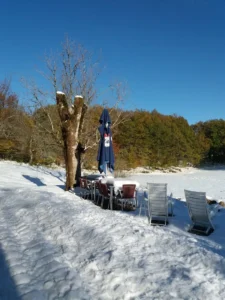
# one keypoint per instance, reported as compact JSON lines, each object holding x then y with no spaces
{"x":96,"y":198}
{"x":125,"y":204}
{"x":109,"y":206}
{"x":149,"y":215}
{"x":99,"y":198}
{"x":102,"y":202}
{"x":103,"y":205}
{"x":82,"y":194}
{"x":146,"y":209}
{"x":140,"y":206}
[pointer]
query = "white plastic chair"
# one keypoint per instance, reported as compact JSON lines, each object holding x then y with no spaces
{"x":158,"y":203}
{"x":198,"y":212}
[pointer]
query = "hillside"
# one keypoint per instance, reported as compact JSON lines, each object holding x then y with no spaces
{"x":54,"y":245}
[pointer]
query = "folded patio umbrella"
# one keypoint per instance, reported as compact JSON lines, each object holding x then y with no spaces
{"x":105,"y":151}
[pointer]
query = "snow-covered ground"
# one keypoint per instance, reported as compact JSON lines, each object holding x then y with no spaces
{"x":54,"y":245}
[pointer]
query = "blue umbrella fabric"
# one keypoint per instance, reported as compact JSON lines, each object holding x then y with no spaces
{"x":105,"y":151}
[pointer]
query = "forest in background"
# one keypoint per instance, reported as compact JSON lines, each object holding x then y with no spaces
{"x":147,"y":139}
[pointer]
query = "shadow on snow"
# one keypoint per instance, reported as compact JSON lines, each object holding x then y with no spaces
{"x":8,"y":289}
{"x":34,"y":180}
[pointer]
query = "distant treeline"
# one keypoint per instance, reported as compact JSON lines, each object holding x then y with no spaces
{"x":142,"y":139}
{"x":153,"y":139}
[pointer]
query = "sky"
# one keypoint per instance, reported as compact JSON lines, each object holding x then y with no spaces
{"x":170,"y":53}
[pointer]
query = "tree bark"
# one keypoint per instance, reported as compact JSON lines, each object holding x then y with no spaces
{"x":78,"y":154}
{"x":31,"y":151}
{"x":71,"y":119}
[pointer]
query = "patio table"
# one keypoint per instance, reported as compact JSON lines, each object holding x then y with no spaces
{"x":114,"y":184}
{"x":93,"y":177}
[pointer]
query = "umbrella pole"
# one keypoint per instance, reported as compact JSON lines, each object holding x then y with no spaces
{"x":106,"y":170}
{"x":111,"y":197}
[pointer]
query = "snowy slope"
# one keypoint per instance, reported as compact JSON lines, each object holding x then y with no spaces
{"x":54,"y":245}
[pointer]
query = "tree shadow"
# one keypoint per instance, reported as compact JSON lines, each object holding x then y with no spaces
{"x":61,"y":186}
{"x":47,"y":171}
{"x":77,"y":191}
{"x":8,"y":289}
{"x":34,"y":180}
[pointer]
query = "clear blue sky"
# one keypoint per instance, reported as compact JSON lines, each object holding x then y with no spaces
{"x":171,"y":52}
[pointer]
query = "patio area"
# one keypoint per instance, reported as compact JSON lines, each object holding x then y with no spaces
{"x":111,"y":193}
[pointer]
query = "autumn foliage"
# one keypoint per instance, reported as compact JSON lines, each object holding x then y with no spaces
{"x":143,"y":139}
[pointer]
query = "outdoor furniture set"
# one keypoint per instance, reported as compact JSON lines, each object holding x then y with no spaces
{"x":157,"y":205}
{"x":112,"y":194}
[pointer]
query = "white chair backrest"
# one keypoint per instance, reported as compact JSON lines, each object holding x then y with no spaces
{"x":197,"y":207}
{"x":157,"y":196}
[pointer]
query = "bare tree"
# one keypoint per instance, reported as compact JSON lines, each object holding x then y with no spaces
{"x":71,"y":122}
{"x":8,"y":108}
{"x":74,"y":73}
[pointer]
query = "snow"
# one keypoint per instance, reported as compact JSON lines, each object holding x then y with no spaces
{"x":55,"y":245}
{"x":118,"y":183}
{"x":60,"y":93}
{"x":78,"y":96}
{"x":211,"y":181}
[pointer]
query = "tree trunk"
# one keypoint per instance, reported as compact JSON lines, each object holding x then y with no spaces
{"x":31,"y":151}
{"x":70,"y":160}
{"x":78,"y":154}
{"x":71,"y":119}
